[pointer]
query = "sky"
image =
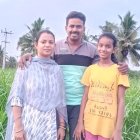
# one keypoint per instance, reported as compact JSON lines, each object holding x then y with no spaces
{"x":16,"y":14}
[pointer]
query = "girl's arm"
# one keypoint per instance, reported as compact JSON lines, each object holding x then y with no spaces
{"x":120,"y":113}
{"x":80,"y":124}
{"x":121,"y":107}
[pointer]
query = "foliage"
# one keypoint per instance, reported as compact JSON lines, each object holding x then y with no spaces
{"x":126,"y":33}
{"x":131,"y":129}
{"x":12,"y":62}
{"x":6,"y":78}
{"x":26,"y":42}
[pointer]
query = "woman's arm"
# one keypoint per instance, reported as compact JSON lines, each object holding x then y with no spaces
{"x":17,"y":111}
{"x":18,"y":126}
{"x":61,"y":129}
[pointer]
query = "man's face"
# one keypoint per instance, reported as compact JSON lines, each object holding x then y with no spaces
{"x":75,"y":29}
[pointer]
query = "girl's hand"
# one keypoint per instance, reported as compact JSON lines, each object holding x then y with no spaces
{"x":19,"y":134}
{"x":79,"y":132}
{"x":117,"y":135}
{"x":60,"y":133}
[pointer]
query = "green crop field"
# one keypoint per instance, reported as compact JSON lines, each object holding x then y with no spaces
{"x":131,"y":130}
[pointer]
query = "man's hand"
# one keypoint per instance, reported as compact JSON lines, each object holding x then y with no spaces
{"x":23,"y":59}
{"x":123,"y":68}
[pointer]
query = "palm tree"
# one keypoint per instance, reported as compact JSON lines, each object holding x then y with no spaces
{"x":126,"y":33}
{"x":109,"y":27}
{"x":26,"y":42}
{"x":90,"y":38}
{"x":127,"y":38}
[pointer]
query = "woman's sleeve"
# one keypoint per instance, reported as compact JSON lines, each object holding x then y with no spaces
{"x":15,"y":98}
{"x":17,"y":88}
{"x":16,"y":101}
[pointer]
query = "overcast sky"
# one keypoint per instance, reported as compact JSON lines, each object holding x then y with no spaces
{"x":15,"y":14}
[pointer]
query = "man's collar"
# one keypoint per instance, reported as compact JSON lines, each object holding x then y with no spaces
{"x":66,"y":41}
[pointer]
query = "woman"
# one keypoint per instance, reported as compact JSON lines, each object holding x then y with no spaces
{"x":36,"y":95}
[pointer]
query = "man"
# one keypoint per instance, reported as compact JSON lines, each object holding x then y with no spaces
{"x":74,"y":54}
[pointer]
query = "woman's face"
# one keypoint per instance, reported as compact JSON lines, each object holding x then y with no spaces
{"x":45,"y":45}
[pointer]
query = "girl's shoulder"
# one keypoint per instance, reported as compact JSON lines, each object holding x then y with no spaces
{"x":93,"y":66}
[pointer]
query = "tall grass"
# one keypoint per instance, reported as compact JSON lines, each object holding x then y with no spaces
{"x":6,"y":78}
{"x":131,"y":130}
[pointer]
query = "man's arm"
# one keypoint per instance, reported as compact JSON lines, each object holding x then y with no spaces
{"x":123,"y":68}
{"x":23,"y":59}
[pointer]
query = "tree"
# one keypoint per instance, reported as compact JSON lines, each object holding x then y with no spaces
{"x":128,"y":41}
{"x":126,"y":33}
{"x":11,"y":63}
{"x":109,"y":27}
{"x":26,"y":42}
{"x":90,"y":38}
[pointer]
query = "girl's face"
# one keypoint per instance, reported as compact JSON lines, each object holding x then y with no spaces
{"x":45,"y":45}
{"x":105,"y":48}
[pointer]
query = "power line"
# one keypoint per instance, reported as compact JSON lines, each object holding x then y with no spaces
{"x":5,"y":32}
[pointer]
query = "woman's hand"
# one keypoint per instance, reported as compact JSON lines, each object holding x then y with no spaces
{"x":19,"y":134}
{"x":61,"y":133}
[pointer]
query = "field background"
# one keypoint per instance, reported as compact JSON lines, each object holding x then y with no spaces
{"x":131,"y":130}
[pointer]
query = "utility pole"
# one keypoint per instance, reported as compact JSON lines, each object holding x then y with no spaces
{"x":5,"y":32}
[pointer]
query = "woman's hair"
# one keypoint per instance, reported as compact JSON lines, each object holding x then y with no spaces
{"x":114,"y":39}
{"x":43,"y":31}
{"x":75,"y":14}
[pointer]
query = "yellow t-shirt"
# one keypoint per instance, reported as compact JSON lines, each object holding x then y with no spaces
{"x":101,"y":108}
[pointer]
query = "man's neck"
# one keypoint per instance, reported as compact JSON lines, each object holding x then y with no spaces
{"x":74,"y":42}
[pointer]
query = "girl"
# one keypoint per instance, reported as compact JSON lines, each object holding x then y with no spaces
{"x":102,"y":109}
{"x":36,"y":94}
